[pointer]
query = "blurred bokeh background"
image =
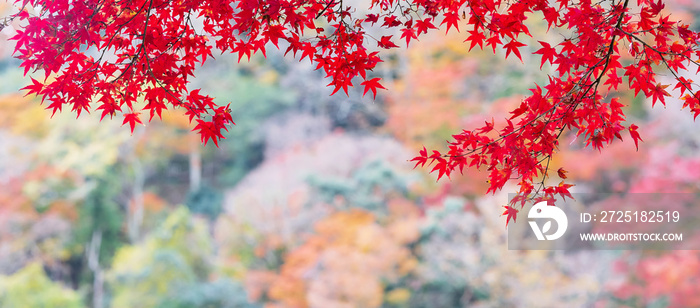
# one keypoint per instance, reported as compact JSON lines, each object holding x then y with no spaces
{"x":311,"y":201}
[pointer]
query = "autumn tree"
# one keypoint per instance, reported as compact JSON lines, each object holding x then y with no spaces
{"x":135,"y":58}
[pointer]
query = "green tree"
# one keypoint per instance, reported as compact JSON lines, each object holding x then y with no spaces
{"x":169,"y":268}
{"x":98,"y":233}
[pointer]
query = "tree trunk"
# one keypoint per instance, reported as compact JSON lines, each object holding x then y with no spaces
{"x":195,"y":164}
{"x":93,"y":258}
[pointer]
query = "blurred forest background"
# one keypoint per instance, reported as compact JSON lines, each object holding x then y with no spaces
{"x":311,"y":200}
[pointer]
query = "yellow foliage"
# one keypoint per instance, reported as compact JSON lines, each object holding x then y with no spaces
{"x":398,"y":296}
{"x":23,"y":115}
{"x":342,"y":227}
{"x":268,"y":77}
{"x":143,"y":274}
{"x":31,"y":288}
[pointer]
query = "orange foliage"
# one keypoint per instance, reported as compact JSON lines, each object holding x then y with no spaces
{"x":427,"y":99}
{"x":289,"y":287}
{"x":63,"y":209}
{"x":151,"y":202}
{"x":345,"y":263}
{"x":15,"y":200}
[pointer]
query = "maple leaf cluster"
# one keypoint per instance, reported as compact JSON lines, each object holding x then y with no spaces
{"x":610,"y":42}
{"x":109,"y":55}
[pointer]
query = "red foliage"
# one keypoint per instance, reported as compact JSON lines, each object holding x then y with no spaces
{"x":149,"y":48}
{"x":672,"y":275}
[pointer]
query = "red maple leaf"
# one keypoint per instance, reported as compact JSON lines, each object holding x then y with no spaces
{"x":35,"y":88}
{"x":659,"y":92}
{"x":421,"y":159}
{"x":477,"y":38}
{"x":548,"y":53}
{"x":408,"y":34}
{"x":422,"y":26}
{"x":208,"y":130}
{"x":132,"y":119}
{"x":493,"y":41}
{"x":372,"y":18}
{"x":385,"y":42}
{"x":562,"y":173}
{"x":563,"y":190}
{"x":511,"y":213}
{"x":635,"y":135}
{"x":683,"y":84}
{"x":513,"y":46}
{"x":452,"y":20}
{"x":372,"y":85}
